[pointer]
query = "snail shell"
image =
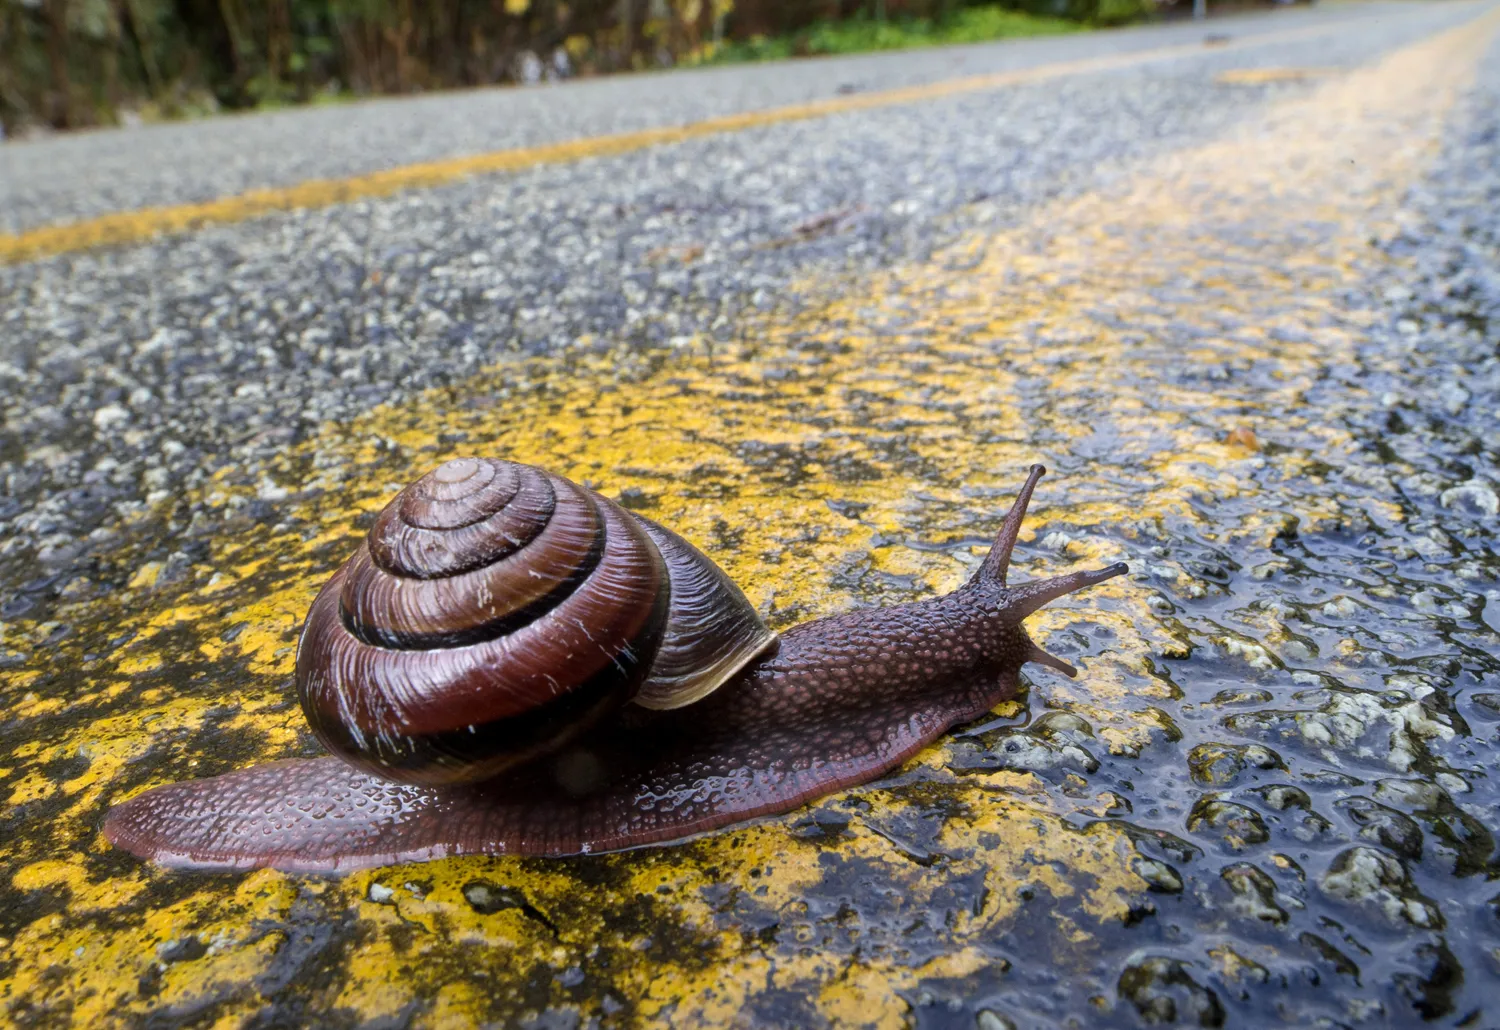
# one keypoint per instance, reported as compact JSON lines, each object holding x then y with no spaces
{"x":495,"y":610}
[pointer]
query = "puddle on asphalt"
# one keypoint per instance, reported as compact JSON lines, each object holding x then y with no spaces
{"x":1265,"y":795}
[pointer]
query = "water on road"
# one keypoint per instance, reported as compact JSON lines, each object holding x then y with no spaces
{"x":1259,"y":356}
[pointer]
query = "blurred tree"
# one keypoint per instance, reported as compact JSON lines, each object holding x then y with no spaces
{"x":68,"y":63}
{"x":59,"y":97}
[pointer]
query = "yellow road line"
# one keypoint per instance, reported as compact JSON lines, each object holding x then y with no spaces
{"x":133,"y":226}
{"x":1268,"y":76}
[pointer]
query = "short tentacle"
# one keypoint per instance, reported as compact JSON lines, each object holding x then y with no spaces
{"x":1051,"y":661}
{"x":997,"y":563}
{"x":1022,"y":600}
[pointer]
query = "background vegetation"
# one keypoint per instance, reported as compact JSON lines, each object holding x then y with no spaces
{"x":75,"y":63}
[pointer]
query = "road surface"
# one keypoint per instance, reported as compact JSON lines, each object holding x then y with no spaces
{"x":1239,"y":287}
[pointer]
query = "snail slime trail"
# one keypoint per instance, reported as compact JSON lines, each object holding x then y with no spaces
{"x":513,"y":664}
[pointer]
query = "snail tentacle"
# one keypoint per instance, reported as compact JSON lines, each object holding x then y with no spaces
{"x":997,"y":562}
{"x":1028,"y":597}
{"x":1052,"y":662}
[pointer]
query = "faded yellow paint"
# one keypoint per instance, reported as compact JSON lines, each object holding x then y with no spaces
{"x":1266,"y":76}
{"x":146,"y":576}
{"x":87,"y":895}
{"x":921,"y":430}
{"x":457,"y":1006}
{"x":113,"y":964}
{"x":862,"y":996}
{"x":133,"y":226}
{"x":1236,"y":967}
{"x":140,"y":661}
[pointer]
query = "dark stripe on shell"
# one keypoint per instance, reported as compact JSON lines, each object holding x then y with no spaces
{"x":483,"y":751}
{"x":483,"y":603}
{"x":365,"y":701}
{"x":460,"y":492}
{"x":480,"y":529}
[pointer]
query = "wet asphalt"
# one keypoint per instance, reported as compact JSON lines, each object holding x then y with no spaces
{"x":137,"y":375}
{"x":131,"y":374}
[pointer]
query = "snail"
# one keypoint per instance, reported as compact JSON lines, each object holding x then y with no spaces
{"x":513,"y":664}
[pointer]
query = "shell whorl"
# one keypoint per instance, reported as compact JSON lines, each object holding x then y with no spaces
{"x":495,"y":610}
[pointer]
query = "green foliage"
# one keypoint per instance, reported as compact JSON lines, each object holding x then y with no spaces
{"x":862,"y":34}
{"x":1093,"y":12}
{"x":970,"y":25}
{"x":1120,"y":12}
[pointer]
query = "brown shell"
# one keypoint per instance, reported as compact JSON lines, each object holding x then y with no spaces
{"x":494,"y":611}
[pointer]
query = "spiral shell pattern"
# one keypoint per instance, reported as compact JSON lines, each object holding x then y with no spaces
{"x":495,"y":610}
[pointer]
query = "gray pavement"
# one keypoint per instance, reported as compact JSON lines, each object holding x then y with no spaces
{"x":1359,"y":891}
{"x":80,"y":175}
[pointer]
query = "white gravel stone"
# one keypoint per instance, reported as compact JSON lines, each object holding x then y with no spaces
{"x":111,"y":416}
{"x":1475,"y":496}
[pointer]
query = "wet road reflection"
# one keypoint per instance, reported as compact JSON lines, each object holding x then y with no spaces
{"x":1266,"y":796}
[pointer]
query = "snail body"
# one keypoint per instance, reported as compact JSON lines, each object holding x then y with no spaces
{"x":676,"y":712}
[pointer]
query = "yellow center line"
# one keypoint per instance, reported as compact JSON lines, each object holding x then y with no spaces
{"x":1268,"y":76}
{"x":125,"y":227}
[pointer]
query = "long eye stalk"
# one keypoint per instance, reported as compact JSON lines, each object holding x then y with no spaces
{"x":1028,"y":597}
{"x":998,"y":562}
